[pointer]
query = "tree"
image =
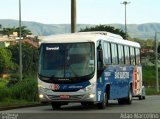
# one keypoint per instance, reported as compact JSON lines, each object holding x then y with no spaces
{"x":8,"y":31}
{"x":105,"y":28}
{"x":29,"y":57}
{"x":5,"y":60}
{"x":159,"y":48}
{"x":0,"y":29}
{"x":24,"y":31}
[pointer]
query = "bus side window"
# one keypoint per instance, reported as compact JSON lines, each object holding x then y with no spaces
{"x":107,"y":53}
{"x":126,"y":52}
{"x":132,"y":55}
{"x":114,"y":53}
{"x":137,"y":56}
{"x":120,"y":54}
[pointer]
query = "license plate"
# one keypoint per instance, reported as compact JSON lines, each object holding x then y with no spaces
{"x":64,"y":96}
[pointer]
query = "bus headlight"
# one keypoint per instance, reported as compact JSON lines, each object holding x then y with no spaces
{"x":41,"y":96}
{"x":91,"y":95}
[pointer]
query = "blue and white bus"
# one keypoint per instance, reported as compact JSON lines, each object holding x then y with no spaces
{"x":90,"y":68}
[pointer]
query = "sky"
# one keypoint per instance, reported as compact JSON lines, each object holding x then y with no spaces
{"x":88,"y":11}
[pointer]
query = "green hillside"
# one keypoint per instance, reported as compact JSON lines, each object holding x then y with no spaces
{"x":145,"y":31}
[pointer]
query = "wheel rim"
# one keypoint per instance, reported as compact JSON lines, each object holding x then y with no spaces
{"x":130,"y":96}
{"x":105,"y":100}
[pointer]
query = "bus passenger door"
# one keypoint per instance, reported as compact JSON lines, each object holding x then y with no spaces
{"x":100,"y":68}
{"x":100,"y":72}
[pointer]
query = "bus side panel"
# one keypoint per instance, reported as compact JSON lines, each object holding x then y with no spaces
{"x":119,"y":79}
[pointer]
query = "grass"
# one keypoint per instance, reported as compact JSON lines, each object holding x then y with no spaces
{"x":149,"y":80}
{"x":149,"y":76}
{"x":7,"y":102}
{"x":151,"y":91}
{"x":22,"y":93}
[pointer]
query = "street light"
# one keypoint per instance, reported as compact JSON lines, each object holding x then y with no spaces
{"x":125,"y":3}
{"x":156,"y":61}
{"x":73,"y":16}
{"x":20,"y":44}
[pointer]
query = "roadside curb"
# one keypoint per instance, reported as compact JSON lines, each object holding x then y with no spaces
{"x":21,"y":106}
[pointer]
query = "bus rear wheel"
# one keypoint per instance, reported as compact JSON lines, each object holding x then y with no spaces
{"x":141,"y":97}
{"x":129,"y":98}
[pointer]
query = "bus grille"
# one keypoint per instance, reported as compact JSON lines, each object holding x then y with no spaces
{"x":72,"y":97}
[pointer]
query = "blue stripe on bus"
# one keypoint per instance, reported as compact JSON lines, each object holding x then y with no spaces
{"x":75,"y":86}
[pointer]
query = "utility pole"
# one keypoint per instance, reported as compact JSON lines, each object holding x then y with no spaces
{"x":156,"y":61}
{"x":20,"y":44}
{"x":73,"y":16}
{"x":125,"y":3}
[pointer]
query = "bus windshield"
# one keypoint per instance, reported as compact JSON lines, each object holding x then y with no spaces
{"x":66,"y":60}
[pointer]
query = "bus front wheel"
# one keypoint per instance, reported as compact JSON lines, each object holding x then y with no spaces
{"x":86,"y":103}
{"x":56,"y":105}
{"x":103,"y":104}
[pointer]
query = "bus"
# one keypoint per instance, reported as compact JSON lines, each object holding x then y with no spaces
{"x":89,"y":68}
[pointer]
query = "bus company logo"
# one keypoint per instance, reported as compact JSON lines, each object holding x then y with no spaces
{"x":53,"y":48}
{"x":54,"y":87}
{"x":121,"y":75}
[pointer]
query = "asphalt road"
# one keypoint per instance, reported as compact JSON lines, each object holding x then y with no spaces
{"x":138,"y":109}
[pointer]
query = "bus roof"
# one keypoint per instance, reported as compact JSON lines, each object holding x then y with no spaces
{"x":88,"y":37}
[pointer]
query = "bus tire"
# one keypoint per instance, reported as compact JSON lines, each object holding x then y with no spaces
{"x":56,"y":105}
{"x":129,"y":97}
{"x":102,"y":105}
{"x":140,"y":97}
{"x":121,"y":101}
{"x":86,"y":103}
{"x":143,"y":97}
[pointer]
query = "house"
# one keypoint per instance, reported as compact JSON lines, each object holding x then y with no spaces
{"x":6,"y":41}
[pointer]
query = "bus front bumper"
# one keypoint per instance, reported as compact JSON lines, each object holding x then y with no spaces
{"x":46,"y":95}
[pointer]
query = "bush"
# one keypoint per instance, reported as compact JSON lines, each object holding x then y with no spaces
{"x":4,"y":92}
{"x":6,"y":63}
{"x":25,"y":89}
{"x":149,"y":76}
{"x":3,"y":82}
{"x":14,"y":78}
{"x":22,"y":90}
